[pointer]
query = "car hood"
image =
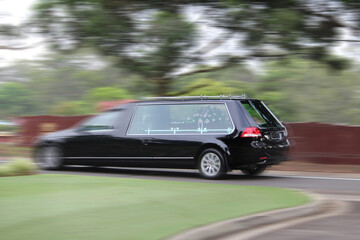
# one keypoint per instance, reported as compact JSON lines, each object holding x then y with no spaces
{"x":60,"y":134}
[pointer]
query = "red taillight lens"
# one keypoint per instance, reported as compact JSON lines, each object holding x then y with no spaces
{"x":251,"y":132}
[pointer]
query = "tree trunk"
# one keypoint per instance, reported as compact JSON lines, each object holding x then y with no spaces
{"x":163,"y":87}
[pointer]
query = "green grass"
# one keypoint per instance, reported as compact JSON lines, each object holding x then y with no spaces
{"x":44,"y":207}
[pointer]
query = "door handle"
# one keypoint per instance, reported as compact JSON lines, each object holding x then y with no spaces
{"x":146,"y":142}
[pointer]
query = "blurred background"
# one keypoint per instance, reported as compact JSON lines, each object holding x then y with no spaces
{"x":76,"y":58}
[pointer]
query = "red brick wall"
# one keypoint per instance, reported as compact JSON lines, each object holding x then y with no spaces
{"x":33,"y":126}
{"x":325,"y":143}
{"x":7,"y":138}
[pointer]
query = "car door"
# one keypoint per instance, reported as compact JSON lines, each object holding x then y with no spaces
{"x":131,"y":145}
{"x":93,"y":139}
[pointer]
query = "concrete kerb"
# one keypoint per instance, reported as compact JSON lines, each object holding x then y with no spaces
{"x":221,"y":229}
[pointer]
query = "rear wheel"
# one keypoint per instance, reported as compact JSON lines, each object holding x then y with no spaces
{"x":49,"y":158}
{"x":211,"y":164}
{"x":254,"y":170}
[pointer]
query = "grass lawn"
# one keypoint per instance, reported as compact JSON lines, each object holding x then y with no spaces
{"x":53,"y":206}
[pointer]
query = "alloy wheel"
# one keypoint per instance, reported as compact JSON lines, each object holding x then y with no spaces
{"x":210,"y":164}
{"x":49,"y":158}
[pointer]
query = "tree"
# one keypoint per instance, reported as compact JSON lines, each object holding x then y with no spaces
{"x":15,"y":100}
{"x":58,"y":78}
{"x":157,"y":38}
{"x":299,"y":90}
{"x":107,"y":94}
{"x":211,"y":88}
{"x":7,"y":31}
{"x":12,"y":36}
{"x":237,"y":80}
{"x":72,"y":108}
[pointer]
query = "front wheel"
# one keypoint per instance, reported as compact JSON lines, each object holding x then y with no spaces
{"x":49,"y":158}
{"x":211,"y":164}
{"x":254,"y":170}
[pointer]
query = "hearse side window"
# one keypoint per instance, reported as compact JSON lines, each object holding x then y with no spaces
{"x":103,"y":121}
{"x":181,"y":119}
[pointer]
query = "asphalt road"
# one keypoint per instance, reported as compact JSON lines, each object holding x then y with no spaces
{"x":320,"y":184}
{"x":343,"y":226}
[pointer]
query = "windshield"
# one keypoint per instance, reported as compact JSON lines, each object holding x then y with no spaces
{"x":261,"y":114}
{"x":103,"y":121}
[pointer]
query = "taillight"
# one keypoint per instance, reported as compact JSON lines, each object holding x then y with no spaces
{"x":251,"y":132}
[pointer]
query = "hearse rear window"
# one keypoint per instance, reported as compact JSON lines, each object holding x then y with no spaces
{"x":261,"y":114}
{"x":173,"y":119}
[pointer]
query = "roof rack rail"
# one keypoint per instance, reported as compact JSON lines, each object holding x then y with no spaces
{"x":203,"y":97}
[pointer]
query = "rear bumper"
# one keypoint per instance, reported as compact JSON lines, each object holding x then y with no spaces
{"x":261,"y":157}
{"x":272,"y":160}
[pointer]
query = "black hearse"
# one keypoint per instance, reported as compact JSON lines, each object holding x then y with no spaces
{"x":213,"y":134}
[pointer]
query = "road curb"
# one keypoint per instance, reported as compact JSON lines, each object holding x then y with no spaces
{"x":221,"y":229}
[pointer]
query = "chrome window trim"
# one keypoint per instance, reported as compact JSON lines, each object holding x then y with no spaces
{"x":100,"y":130}
{"x":186,"y":134}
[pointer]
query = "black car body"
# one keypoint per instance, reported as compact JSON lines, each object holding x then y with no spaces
{"x":215,"y":135}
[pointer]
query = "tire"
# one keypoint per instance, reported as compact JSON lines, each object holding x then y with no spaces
{"x":211,"y":164}
{"x":254,"y":170}
{"x":49,"y":158}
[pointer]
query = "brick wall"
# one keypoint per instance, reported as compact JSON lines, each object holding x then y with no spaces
{"x":325,"y":143}
{"x":33,"y":126}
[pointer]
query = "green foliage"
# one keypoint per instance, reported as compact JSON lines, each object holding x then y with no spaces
{"x":107,"y":94}
{"x":156,"y":38}
{"x":72,"y":108}
{"x":166,"y":37}
{"x":62,"y":78}
{"x":301,"y":90}
{"x":17,"y":167}
{"x":9,"y":33}
{"x":43,"y":85}
{"x":5,"y":171}
{"x":296,"y":90}
{"x":91,"y":97}
{"x":235,"y":81}
{"x":8,"y":128}
{"x":21,"y":166}
{"x":211,"y":88}
{"x":15,"y":99}
{"x":159,"y":28}
{"x":150,"y":43}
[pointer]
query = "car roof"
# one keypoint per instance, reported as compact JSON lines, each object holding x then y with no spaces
{"x":184,"y":99}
